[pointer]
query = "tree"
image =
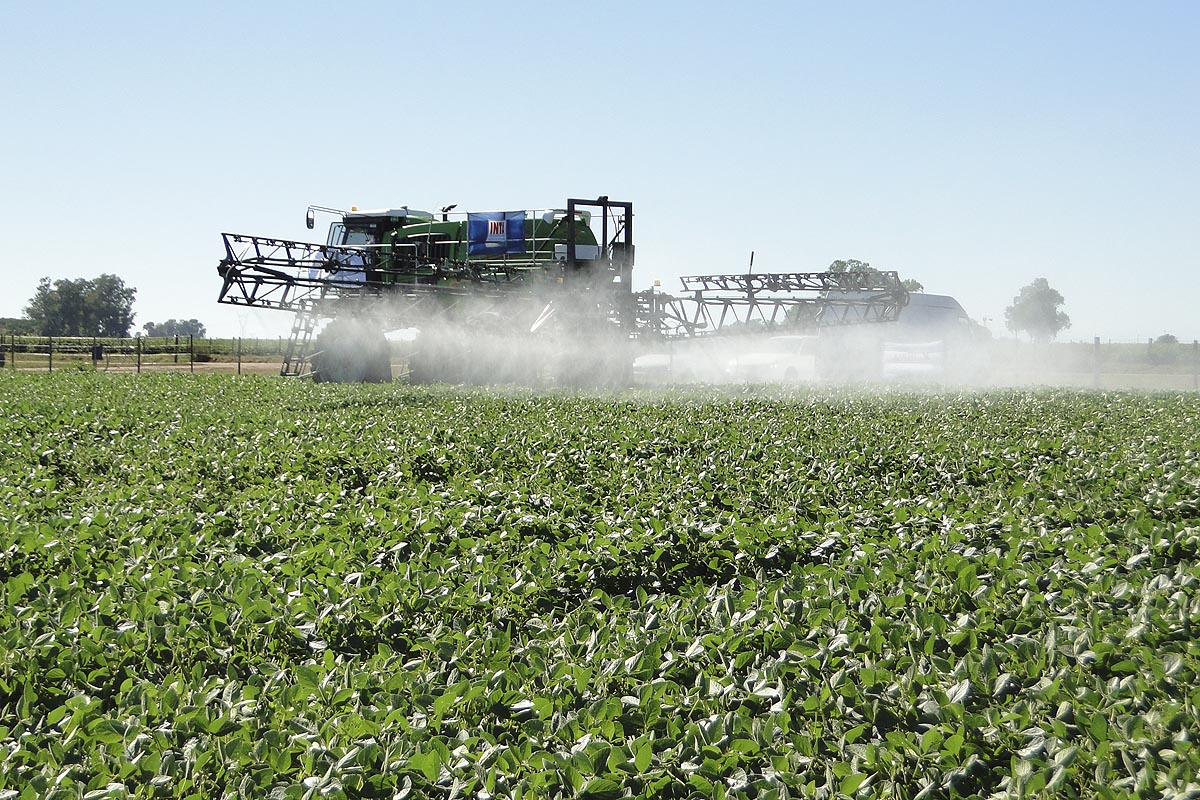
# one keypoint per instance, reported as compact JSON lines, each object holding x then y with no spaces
{"x":850,"y":265}
{"x":175,"y":327}
{"x":1167,"y":338}
{"x":842,"y":266}
{"x":1035,"y":311}
{"x":99,"y":307}
{"x":19,"y":327}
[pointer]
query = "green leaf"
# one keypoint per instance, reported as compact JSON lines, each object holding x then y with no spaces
{"x":222,"y":726}
{"x":308,"y":678}
{"x":601,"y":789}
{"x":645,"y":755}
{"x":851,"y":782}
{"x":429,"y":764}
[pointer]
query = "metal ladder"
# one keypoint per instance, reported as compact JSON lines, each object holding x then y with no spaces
{"x":295,"y":360}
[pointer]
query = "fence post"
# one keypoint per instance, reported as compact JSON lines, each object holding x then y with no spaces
{"x":50,"y":354}
{"x":191,"y":353}
{"x":12,"y":348}
{"x":1095,"y":362}
{"x":139,"y":354}
{"x":177,"y":348}
{"x":1195,"y":364}
{"x":239,"y":355}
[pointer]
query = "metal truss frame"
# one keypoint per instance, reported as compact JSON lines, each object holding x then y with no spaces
{"x":745,"y":303}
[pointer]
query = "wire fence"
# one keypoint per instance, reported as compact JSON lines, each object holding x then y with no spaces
{"x":139,"y":354}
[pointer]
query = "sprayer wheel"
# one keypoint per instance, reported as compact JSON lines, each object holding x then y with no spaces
{"x":349,"y":351}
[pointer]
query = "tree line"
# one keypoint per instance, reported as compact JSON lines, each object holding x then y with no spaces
{"x":101,"y":306}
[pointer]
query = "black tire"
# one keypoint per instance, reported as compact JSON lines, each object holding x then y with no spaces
{"x":349,"y":351}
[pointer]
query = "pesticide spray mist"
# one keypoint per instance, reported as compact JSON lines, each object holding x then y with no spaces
{"x":541,"y":340}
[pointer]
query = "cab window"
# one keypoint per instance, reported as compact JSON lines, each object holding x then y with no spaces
{"x":356,"y":237}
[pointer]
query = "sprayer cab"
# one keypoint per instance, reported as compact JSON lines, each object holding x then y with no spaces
{"x":379,"y":227}
{"x":404,"y":245}
{"x":367,"y":228}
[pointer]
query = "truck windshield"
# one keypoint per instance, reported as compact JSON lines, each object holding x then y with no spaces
{"x":339,"y":234}
{"x":357,"y":237}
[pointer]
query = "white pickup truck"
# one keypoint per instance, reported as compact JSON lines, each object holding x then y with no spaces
{"x":778,"y":359}
{"x":732,"y":359}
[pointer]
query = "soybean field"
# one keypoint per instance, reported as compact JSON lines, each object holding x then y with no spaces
{"x":246,"y":587}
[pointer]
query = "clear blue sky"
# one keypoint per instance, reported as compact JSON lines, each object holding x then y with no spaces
{"x":972,"y":146}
